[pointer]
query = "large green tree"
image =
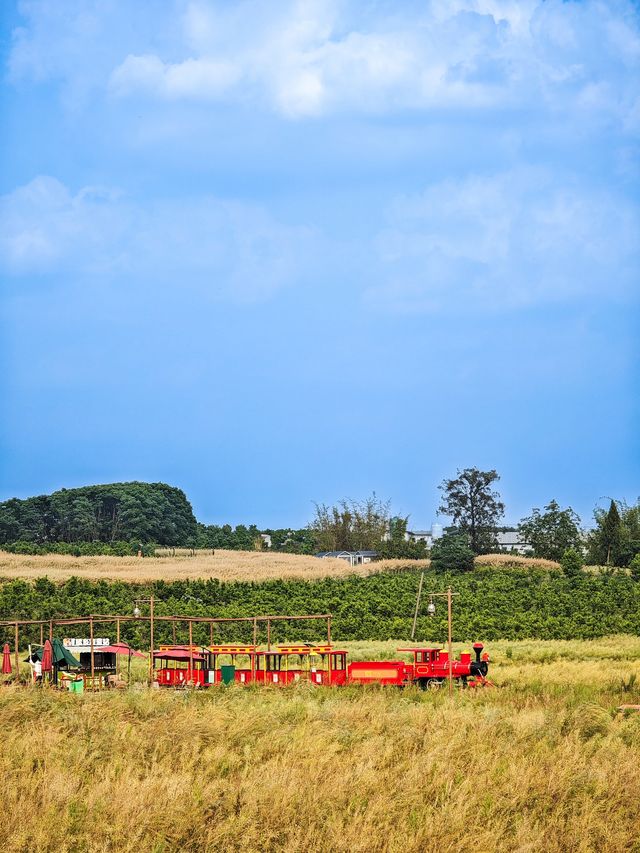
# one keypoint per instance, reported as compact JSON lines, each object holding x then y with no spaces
{"x":615,"y":540}
{"x":551,"y":532}
{"x":452,"y":553}
{"x":351,"y":525}
{"x":474,"y":506}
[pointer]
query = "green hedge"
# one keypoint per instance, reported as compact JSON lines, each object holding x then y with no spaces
{"x":491,"y":603}
{"x":80,"y":549}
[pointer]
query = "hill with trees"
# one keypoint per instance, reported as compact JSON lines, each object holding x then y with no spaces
{"x":116,"y":512}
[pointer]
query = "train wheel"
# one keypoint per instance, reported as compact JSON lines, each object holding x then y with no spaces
{"x":430,"y":683}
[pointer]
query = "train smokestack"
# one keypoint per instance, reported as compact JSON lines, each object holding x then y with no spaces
{"x":479,"y":666}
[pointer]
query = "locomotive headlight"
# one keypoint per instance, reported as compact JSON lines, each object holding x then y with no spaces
{"x":431,"y":608}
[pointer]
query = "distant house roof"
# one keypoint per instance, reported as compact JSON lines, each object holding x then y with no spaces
{"x":346,"y":554}
{"x":510,"y":537}
{"x":333,"y":554}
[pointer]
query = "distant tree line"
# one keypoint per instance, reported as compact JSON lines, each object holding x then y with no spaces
{"x":121,"y":517}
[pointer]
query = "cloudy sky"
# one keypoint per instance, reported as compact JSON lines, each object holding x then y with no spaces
{"x":275,"y":253}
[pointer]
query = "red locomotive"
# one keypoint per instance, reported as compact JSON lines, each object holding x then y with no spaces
{"x":321,"y":665}
{"x":430,"y":669}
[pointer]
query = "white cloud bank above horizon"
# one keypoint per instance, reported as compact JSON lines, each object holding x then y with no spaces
{"x":511,"y":240}
{"x":225,"y":249}
{"x":486,"y":242}
{"x":307,"y":58}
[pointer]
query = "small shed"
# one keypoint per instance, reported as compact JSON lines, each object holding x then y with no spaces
{"x":354,"y":558}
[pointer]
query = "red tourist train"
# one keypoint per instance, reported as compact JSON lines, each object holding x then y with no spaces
{"x":321,"y":665}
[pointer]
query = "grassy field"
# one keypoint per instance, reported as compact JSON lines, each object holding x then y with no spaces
{"x":224,"y":565}
{"x":544,"y":762}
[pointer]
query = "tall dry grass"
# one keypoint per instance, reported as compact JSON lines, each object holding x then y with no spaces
{"x":544,"y":763}
{"x":505,"y":560}
{"x":224,"y":565}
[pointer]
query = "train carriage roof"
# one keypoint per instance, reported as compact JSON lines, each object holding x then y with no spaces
{"x":177,"y":654}
{"x":422,"y":649}
{"x":304,"y":649}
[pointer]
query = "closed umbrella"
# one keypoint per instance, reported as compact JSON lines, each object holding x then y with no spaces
{"x":47,"y":657}
{"x":6,"y":660}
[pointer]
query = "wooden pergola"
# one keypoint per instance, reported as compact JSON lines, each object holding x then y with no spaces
{"x":99,"y":618}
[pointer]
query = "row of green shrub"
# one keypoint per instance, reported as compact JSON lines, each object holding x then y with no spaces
{"x":491,"y":603}
{"x":81,"y":549}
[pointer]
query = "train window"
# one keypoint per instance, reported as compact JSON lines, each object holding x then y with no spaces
{"x":337,"y":661}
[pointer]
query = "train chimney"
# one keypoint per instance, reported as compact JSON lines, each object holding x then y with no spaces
{"x":478,"y":647}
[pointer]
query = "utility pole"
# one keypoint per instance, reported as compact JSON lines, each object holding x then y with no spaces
{"x":449,"y":624}
{"x":431,"y":609}
{"x":415,"y":615}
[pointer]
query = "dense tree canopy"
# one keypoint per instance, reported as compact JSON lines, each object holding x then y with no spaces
{"x":452,"y":553}
{"x":239,"y":538}
{"x":552,"y":532}
{"x":615,"y":539}
{"x":146,"y":512}
{"x":351,"y":525}
{"x":474,"y":506}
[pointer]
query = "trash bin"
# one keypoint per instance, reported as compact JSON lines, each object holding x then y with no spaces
{"x":228,"y":674}
{"x":76,"y":686}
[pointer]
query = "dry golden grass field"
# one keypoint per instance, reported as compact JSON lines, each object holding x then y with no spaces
{"x":543,"y":762}
{"x":224,"y":565}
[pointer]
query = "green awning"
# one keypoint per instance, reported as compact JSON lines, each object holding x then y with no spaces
{"x":61,"y":655}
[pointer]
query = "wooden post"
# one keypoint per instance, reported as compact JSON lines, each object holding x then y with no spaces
{"x":255,"y":643}
{"x":449,"y":620}
{"x":191,"y":650}
{"x":93,"y":684}
{"x":50,"y":629}
{"x":151,"y":641}
{"x":211,"y":626}
{"x":173,"y":632}
{"x":42,"y":635}
{"x":117,"y":630}
{"x":415,"y":615}
{"x":17,"y":656}
{"x":268,"y":635}
{"x":329,"y":631}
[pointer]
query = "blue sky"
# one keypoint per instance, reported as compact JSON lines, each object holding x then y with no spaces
{"x":284,"y":253}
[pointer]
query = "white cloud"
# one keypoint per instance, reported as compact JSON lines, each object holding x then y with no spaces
{"x":201,"y":79}
{"x":308,"y":57}
{"x":505,"y":241}
{"x":223,"y":248}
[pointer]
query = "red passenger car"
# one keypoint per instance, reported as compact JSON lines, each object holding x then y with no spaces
{"x":228,"y":663}
{"x":180,"y":666}
{"x":320,"y":665}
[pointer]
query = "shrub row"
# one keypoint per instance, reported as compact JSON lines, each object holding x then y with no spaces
{"x":80,"y":549}
{"x":490,"y":604}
